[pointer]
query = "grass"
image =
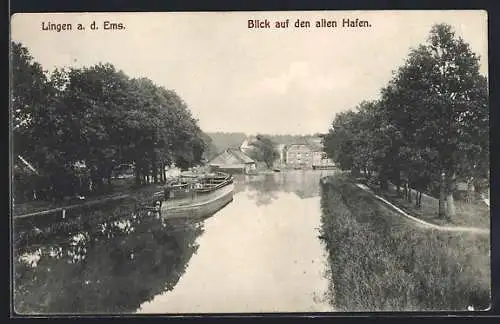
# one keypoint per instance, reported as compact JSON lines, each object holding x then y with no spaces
{"x":382,"y":262}
{"x":474,"y":214}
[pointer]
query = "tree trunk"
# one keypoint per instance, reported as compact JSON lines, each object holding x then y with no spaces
{"x":384,"y":185}
{"x":154,"y":167}
{"x":450,"y":206}
{"x":470,"y":192}
{"x":156,"y":173}
{"x":450,"y":203}
{"x":418,"y":199}
{"x":441,"y":211}
{"x":137,"y":175}
{"x":160,"y":173}
{"x":409,"y":195}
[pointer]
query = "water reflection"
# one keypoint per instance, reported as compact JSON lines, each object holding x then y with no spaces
{"x":108,"y":267}
{"x":259,"y":253}
{"x":264,"y":188}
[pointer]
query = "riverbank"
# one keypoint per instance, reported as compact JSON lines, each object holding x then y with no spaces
{"x":380,"y":261}
{"x":121,"y":188}
{"x":473,"y":214}
{"x":286,"y":169}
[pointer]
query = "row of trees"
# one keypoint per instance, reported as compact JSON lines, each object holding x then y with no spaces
{"x":100,"y":118}
{"x":430,"y":126}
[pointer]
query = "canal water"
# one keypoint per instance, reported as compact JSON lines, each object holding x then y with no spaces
{"x":260,"y":253}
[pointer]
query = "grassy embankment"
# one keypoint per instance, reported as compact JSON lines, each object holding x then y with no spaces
{"x":473,"y":214}
{"x":381,"y":261}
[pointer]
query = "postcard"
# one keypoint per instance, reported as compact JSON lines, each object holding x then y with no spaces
{"x":250,"y":162}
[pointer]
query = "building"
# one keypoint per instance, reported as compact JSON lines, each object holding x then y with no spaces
{"x":281,"y":150}
{"x":247,"y":144}
{"x":233,"y":161}
{"x":320,"y":159}
{"x":309,"y":154}
{"x":299,"y":156}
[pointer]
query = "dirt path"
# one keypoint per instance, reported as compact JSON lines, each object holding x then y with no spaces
{"x":424,"y":223}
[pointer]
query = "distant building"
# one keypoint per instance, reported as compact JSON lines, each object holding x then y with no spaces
{"x":247,"y":144}
{"x":320,"y":159}
{"x":308,"y":154}
{"x":281,"y":150}
{"x":316,"y":143}
{"x":233,"y":161}
{"x":299,"y":156}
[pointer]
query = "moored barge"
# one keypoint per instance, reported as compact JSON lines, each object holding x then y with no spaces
{"x":195,"y":195}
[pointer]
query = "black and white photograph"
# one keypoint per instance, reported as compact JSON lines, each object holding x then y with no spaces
{"x":249,"y":162}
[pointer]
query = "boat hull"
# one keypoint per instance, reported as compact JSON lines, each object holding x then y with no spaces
{"x":200,"y":205}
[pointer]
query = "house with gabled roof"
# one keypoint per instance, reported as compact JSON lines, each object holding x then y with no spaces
{"x":247,"y":144}
{"x":233,"y":161}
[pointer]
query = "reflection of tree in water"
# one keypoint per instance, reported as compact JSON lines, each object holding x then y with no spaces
{"x":264,"y":188}
{"x":108,"y":267}
{"x":305,"y":184}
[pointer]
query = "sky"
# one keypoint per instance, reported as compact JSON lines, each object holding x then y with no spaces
{"x":239,"y":79}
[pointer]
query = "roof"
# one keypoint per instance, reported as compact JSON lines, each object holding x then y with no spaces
{"x":251,"y":138}
{"x":242,"y":156}
{"x":298,"y":146}
{"x":231,"y":156}
{"x":316,"y":143}
{"x":313,"y":145}
{"x":249,"y":141}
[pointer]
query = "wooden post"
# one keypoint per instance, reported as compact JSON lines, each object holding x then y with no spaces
{"x":64,"y":213}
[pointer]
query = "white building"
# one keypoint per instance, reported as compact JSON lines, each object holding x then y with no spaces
{"x":246,"y":146}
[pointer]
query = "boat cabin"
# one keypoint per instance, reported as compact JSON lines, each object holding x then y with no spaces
{"x":191,"y":185}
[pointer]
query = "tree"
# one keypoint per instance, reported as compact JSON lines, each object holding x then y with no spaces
{"x":33,"y":114}
{"x":264,"y":150}
{"x":99,"y":116}
{"x":446,"y":107}
{"x":430,"y":125}
{"x":352,"y":142}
